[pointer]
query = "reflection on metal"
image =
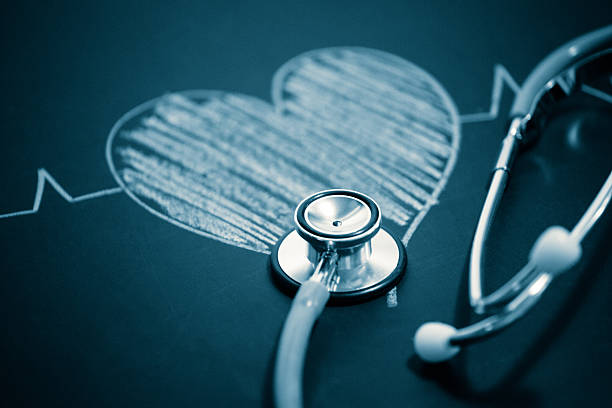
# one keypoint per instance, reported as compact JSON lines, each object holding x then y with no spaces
{"x":295,"y":262}
{"x":344,"y":224}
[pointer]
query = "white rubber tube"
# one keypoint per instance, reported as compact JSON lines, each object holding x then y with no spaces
{"x":306,"y":308}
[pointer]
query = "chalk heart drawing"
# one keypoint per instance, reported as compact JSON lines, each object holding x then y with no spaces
{"x":232,"y":167}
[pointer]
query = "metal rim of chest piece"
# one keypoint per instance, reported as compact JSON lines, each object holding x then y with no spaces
{"x":370,"y":259}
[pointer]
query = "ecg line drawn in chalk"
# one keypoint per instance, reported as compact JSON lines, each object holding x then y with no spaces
{"x":501,"y":76}
{"x":320,"y":77}
{"x":43,"y":178}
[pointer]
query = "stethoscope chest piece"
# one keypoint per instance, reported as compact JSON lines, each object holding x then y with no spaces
{"x":370,"y":260}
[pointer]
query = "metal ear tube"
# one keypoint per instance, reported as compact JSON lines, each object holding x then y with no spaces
{"x":557,"y":249}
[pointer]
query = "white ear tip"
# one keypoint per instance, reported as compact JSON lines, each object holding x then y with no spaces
{"x":555,"y":251}
{"x":432,"y":342}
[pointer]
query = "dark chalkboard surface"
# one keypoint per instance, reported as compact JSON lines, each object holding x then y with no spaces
{"x":104,"y":303}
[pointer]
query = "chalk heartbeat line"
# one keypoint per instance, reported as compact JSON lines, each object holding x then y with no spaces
{"x":43,"y":178}
{"x":501,"y":76}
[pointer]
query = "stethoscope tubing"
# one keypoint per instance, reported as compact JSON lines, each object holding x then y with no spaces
{"x":438,"y":341}
{"x":522,"y":291}
{"x":563,"y":58}
{"x":306,"y":308}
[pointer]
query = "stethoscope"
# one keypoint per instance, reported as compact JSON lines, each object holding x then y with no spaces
{"x":339,"y":241}
{"x":338,"y":249}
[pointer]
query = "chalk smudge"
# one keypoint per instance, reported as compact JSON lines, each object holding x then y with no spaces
{"x":392,"y":298}
{"x":233,"y":167}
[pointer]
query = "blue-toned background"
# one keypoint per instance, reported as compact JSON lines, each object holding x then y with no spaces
{"x":103,"y":304}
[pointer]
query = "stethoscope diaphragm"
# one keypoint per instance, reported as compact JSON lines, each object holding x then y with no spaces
{"x":370,"y":260}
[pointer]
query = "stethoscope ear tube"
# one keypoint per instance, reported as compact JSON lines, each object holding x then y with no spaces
{"x":557,"y":249}
{"x":542,"y":79}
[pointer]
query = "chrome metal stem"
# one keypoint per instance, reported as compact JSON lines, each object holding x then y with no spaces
{"x":595,"y":211}
{"x":511,"y":288}
{"x":496,"y":190}
{"x":513,"y":311}
{"x":325,"y":271}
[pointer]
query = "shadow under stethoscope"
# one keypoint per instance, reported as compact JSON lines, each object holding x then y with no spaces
{"x":452,"y":376}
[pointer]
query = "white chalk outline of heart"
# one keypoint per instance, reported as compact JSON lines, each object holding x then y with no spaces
{"x":277,"y":105}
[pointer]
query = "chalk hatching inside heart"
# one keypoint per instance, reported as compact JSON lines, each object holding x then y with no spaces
{"x":233,"y":167}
